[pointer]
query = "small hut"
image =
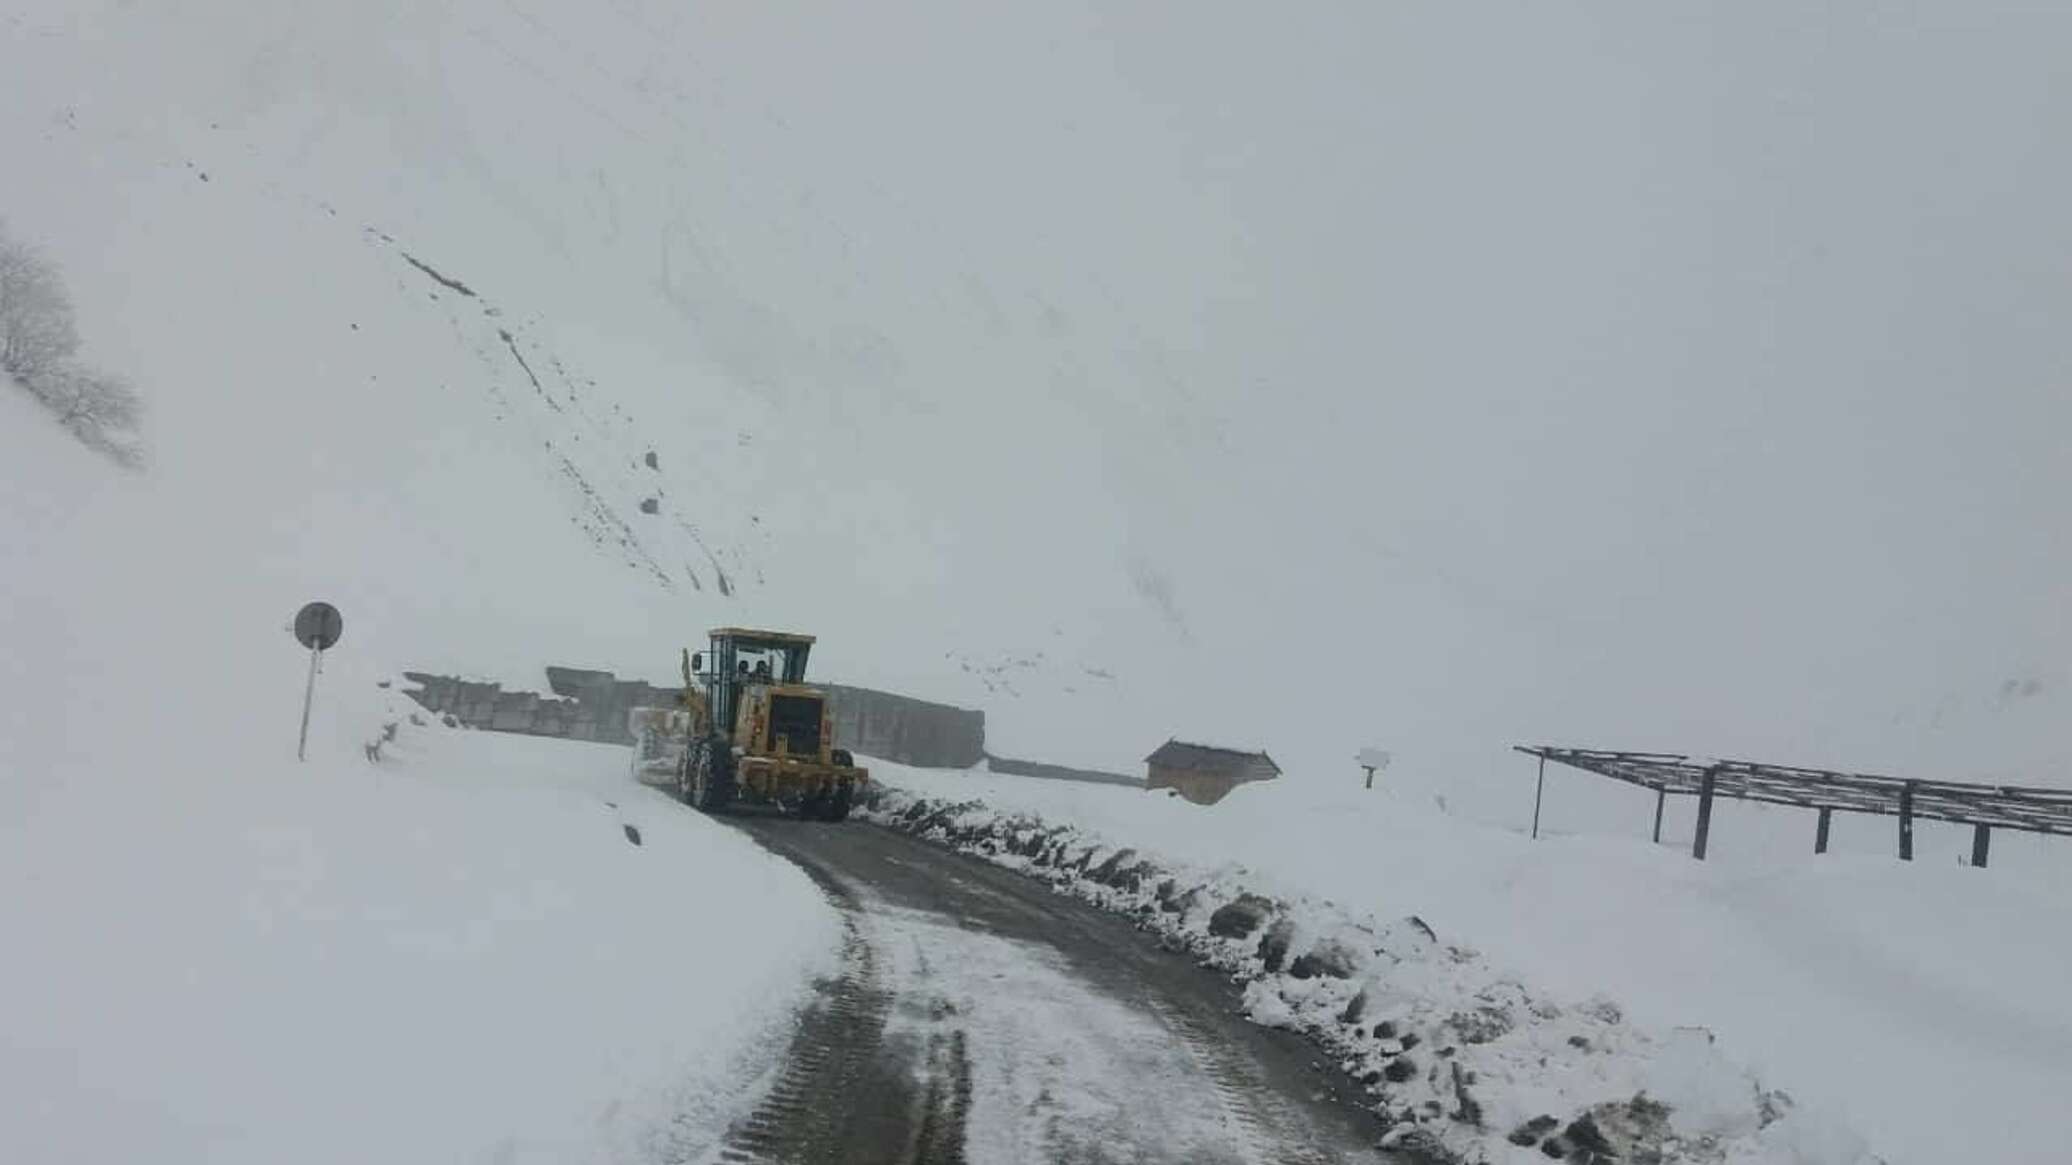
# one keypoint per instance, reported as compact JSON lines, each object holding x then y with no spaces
{"x":1205,"y":775}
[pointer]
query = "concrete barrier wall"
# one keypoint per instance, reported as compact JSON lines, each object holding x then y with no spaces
{"x":594,"y":705}
{"x":906,"y":730}
{"x":488,"y":706}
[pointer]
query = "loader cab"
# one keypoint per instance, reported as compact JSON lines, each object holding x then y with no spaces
{"x":739,"y":659}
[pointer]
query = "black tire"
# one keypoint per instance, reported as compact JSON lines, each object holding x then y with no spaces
{"x":842,"y":757}
{"x":724,"y":787}
{"x":707,"y":786}
{"x":836,"y":806}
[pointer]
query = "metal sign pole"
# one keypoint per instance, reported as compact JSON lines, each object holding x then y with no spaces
{"x":317,"y":626}
{"x":1373,"y":760}
{"x":1538,"y":789}
{"x":309,"y":691}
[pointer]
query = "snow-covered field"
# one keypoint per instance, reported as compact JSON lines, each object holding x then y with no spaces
{"x":456,"y":955}
{"x":214,"y":953}
{"x":1905,"y":1002}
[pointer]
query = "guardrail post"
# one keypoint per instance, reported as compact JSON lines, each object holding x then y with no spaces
{"x":1820,"y":832}
{"x":1981,"y":837}
{"x":1704,"y":814}
{"x":1906,"y":822}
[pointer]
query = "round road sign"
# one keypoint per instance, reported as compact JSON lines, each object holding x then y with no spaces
{"x":319,"y":625}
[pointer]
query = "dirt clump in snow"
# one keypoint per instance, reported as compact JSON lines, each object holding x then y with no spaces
{"x":1416,"y":1145}
{"x":1274,"y":944}
{"x":1330,"y":959}
{"x":1239,"y":918}
{"x":1533,"y":1131}
{"x":1121,"y":871}
{"x":1480,"y":1025}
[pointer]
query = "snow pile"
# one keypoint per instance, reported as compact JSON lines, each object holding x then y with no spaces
{"x":471,"y":948}
{"x":1466,"y":1063}
{"x":490,"y":949}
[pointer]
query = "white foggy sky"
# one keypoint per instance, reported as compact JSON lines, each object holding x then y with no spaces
{"x":1701,"y":368}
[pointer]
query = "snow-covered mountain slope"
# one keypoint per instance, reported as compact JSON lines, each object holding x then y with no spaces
{"x":1295,"y":390}
{"x":1357,"y":375}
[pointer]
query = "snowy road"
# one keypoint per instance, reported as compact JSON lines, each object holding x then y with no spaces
{"x":980,"y":1018}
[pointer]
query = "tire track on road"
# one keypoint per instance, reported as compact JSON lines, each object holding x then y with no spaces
{"x":1257,"y":1129}
{"x":849,"y":1094}
{"x":978,"y":1013}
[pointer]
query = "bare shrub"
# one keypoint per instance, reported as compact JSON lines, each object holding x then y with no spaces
{"x":36,"y":329}
{"x":37,"y":341}
{"x":102,"y":410}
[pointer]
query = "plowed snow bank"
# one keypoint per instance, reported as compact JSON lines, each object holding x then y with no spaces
{"x":1838,"y":982}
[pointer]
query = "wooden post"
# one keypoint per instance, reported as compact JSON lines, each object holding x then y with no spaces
{"x":1704,"y":813}
{"x":1981,"y":837}
{"x":1906,"y":822}
{"x":1661,"y":795}
{"x":1820,"y":834}
{"x":1370,"y":775}
{"x":1538,"y":789}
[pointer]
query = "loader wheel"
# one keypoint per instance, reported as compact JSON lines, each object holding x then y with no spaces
{"x":705,"y":787}
{"x":835,"y":807}
{"x":842,"y":757}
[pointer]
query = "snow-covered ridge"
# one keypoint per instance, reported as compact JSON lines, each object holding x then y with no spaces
{"x":1465,"y":1064}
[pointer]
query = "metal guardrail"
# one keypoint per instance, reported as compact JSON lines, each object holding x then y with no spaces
{"x":2026,"y":808}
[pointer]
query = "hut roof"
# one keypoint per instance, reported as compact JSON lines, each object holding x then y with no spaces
{"x":1222,"y":762}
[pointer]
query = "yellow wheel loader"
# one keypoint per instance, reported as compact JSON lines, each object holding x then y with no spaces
{"x":758,"y":732}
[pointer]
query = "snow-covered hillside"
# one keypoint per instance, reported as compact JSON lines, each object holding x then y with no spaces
{"x":1402,"y":373}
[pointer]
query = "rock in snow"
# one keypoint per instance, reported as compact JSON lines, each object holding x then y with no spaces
{"x":1238,"y":919}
